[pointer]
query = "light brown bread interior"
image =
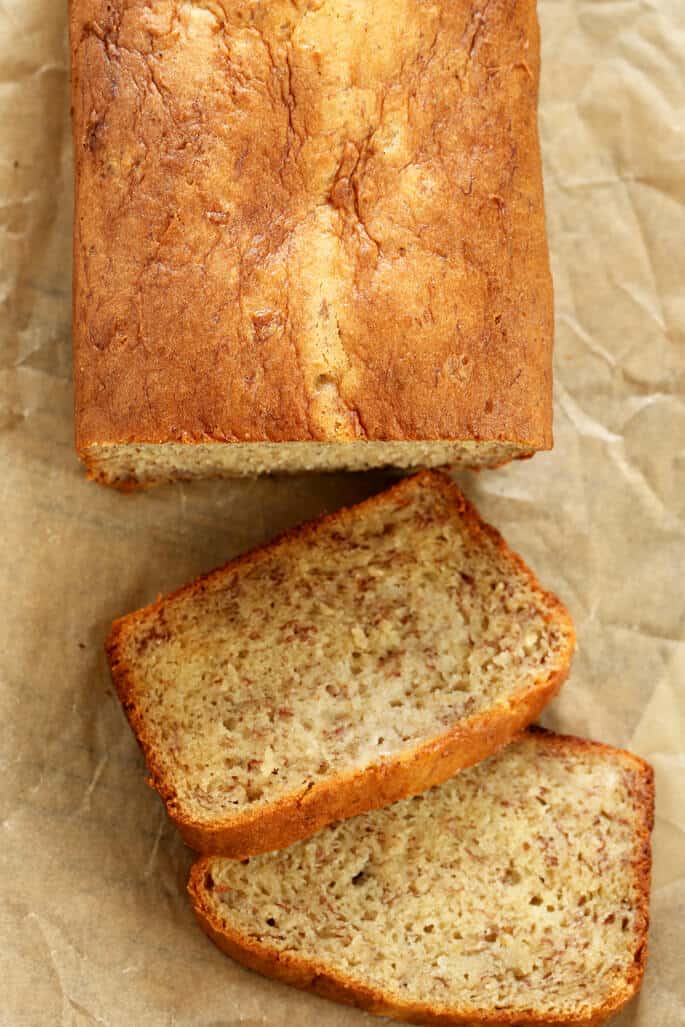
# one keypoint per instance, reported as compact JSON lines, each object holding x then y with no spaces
{"x":130,"y":466}
{"x":400,"y":639}
{"x":517,"y":892}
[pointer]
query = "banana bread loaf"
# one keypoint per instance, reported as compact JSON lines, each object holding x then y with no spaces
{"x":307,"y":236}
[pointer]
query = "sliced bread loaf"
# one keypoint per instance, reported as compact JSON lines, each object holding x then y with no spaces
{"x":516,"y":893}
{"x":353,"y":662}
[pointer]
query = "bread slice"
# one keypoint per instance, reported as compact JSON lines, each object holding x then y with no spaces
{"x":515,"y":893}
{"x":353,"y":662}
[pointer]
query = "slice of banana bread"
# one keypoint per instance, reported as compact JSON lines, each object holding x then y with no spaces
{"x":357,"y":660}
{"x":516,"y":893}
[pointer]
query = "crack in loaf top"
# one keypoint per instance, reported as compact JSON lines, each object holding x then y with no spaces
{"x":304,"y":220}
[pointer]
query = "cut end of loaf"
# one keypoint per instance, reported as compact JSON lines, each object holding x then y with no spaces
{"x":357,"y":660}
{"x":137,"y":465}
{"x":516,"y":892}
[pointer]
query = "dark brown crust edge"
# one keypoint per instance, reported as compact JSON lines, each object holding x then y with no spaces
{"x":316,"y":977}
{"x":303,"y":813}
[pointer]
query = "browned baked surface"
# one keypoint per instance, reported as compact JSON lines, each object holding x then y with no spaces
{"x":339,"y":792}
{"x":309,"y":221}
{"x":317,"y":974}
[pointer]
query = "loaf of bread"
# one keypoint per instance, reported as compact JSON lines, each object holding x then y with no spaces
{"x":357,"y":660}
{"x":308,"y":236}
{"x":516,"y":894}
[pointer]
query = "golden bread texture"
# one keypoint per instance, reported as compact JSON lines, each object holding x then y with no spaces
{"x":516,"y":893}
{"x":306,"y":222}
{"x":353,"y":662}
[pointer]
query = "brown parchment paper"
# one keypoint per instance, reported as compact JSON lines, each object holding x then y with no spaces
{"x":94,"y":924}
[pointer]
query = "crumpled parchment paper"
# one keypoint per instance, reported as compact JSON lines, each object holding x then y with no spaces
{"x":94,"y":923}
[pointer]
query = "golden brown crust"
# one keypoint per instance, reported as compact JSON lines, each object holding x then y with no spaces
{"x":370,"y":264}
{"x":305,"y":812}
{"x":320,"y":979}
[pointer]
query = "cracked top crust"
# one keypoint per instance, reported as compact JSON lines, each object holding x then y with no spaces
{"x":309,"y":220}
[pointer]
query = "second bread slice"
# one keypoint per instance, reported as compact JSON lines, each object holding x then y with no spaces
{"x":515,"y":895}
{"x":353,"y":662}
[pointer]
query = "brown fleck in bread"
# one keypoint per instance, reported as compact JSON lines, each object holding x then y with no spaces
{"x":353,"y":662}
{"x":516,"y":893}
{"x":307,"y":236}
